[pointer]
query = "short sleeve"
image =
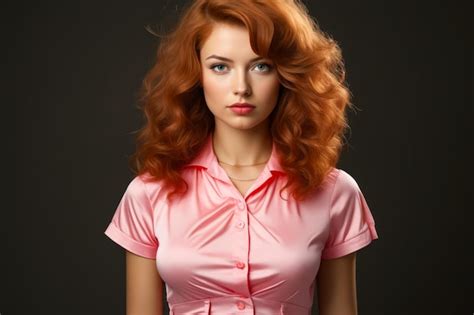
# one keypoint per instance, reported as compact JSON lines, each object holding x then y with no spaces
{"x":132,"y":224}
{"x":352,"y":225}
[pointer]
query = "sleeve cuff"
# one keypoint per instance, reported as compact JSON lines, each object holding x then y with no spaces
{"x":129,"y":244}
{"x":351,"y":245}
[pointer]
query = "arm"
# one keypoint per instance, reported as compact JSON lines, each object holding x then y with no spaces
{"x":336,"y":286}
{"x":144,"y":286}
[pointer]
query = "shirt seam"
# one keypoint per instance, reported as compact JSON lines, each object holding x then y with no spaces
{"x":349,"y":240}
{"x":332,"y":194}
{"x":123,"y":239}
{"x":145,"y":191}
{"x":353,"y":244}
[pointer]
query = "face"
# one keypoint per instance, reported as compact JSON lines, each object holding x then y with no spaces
{"x":233,"y":73}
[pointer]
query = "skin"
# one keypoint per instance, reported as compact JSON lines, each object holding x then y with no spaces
{"x":240,"y":140}
{"x":336,"y":286}
{"x":144,"y":287}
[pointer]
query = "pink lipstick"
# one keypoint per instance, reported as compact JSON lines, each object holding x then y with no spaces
{"x":241,"y":108}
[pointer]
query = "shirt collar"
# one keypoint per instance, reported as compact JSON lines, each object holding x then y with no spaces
{"x":208,"y":160}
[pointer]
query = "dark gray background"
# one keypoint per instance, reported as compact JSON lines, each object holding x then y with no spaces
{"x":72,"y":73}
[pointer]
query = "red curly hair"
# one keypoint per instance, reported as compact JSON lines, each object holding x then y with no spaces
{"x":308,"y":123}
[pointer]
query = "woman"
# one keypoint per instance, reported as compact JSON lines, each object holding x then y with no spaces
{"x":237,"y":204}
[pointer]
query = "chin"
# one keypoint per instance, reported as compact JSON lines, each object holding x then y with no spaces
{"x":247,"y":125}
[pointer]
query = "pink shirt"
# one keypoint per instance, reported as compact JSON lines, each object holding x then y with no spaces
{"x":221,"y":253}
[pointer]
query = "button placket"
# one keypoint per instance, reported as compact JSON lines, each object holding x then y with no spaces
{"x":241,"y":251}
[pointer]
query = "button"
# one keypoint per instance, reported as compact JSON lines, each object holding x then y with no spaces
{"x":240,"y":305}
{"x":240,"y":225}
{"x":240,"y":265}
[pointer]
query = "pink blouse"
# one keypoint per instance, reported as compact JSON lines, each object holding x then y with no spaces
{"x":223,"y":253}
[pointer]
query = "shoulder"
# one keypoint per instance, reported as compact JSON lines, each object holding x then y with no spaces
{"x":143,"y":185}
{"x":340,"y":179}
{"x":345,"y":181}
{"x":346,"y":192}
{"x":339,"y":183}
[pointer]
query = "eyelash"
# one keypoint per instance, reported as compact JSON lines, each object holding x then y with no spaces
{"x":220,"y":64}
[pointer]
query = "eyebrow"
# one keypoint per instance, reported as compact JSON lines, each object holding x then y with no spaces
{"x":230,"y":60}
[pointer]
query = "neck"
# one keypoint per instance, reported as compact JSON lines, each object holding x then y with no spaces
{"x":242,"y":147}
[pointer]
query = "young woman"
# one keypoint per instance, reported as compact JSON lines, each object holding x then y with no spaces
{"x":237,"y":204}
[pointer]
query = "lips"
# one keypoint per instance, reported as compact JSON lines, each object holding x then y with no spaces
{"x":242,"y":105}
{"x":241,"y":108}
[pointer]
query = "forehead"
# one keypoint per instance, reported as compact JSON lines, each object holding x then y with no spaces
{"x":228,"y":41}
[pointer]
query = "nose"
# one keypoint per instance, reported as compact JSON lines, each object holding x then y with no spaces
{"x":241,"y":84}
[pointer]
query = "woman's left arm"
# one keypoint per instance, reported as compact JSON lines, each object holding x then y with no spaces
{"x":336,"y":286}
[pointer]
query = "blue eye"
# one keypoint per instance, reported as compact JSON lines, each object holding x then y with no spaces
{"x":217,"y":65}
{"x":266,"y":65}
{"x":222,"y":66}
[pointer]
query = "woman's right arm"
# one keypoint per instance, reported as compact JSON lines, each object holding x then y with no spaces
{"x":144,"y":286}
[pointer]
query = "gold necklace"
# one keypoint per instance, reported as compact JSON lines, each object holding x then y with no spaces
{"x":243,"y":165}
{"x":240,"y":166}
{"x":242,"y":179}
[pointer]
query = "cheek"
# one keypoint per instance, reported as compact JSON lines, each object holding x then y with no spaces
{"x":213,"y":86}
{"x":271,"y":89}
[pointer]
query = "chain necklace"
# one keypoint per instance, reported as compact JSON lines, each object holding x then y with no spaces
{"x":240,"y":179}
{"x":243,"y":165}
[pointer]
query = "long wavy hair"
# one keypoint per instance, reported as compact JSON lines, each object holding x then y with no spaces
{"x":308,"y":123}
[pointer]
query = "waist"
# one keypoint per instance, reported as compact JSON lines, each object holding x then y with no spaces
{"x":237,"y":305}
